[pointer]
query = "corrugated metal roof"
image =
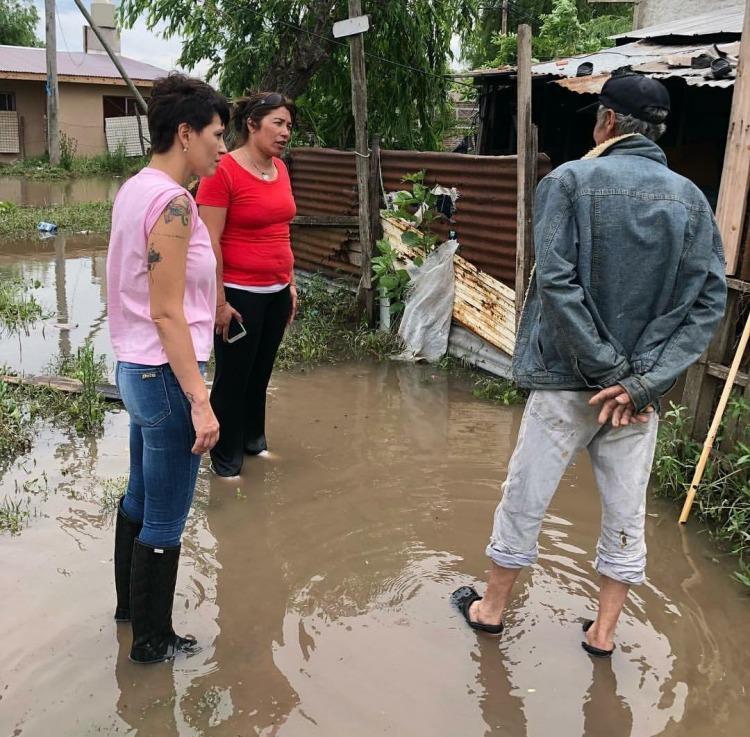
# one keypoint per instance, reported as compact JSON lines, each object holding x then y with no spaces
{"x":728,"y":20}
{"x":25,"y":60}
{"x":661,"y":61}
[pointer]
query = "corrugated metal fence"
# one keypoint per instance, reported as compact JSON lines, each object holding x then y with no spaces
{"x":324,"y":183}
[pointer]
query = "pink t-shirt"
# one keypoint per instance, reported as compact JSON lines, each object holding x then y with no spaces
{"x":137,"y":207}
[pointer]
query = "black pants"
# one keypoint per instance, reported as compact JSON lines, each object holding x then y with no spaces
{"x":243,"y":369}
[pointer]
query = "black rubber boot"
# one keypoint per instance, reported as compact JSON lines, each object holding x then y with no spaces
{"x":152,"y":583}
{"x":126,"y":531}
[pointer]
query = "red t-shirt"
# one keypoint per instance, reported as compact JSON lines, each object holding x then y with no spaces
{"x":255,"y":246}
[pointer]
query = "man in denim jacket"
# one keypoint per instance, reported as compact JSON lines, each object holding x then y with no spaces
{"x":628,"y":290}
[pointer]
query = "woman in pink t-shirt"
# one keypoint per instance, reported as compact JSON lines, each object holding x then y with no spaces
{"x":161,"y":297}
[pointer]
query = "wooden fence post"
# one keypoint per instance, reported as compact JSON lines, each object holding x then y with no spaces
{"x":735,"y":179}
{"x":526,"y":156}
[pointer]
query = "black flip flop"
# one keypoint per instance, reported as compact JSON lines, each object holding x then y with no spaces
{"x":462,"y":599}
{"x":597,"y":652}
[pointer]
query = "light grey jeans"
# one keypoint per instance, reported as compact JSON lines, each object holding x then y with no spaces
{"x":555,"y":426}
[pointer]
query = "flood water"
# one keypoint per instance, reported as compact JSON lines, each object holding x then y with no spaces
{"x":318,"y":585}
{"x":25,"y":191}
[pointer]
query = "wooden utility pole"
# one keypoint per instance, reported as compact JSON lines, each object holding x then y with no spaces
{"x":53,"y":129}
{"x":504,"y":19}
{"x":361,"y":154}
{"x":527,"y":155}
{"x":735,"y":178}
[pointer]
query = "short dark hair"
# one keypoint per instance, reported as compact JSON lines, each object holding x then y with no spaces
{"x":255,"y":106}
{"x":177,"y":99}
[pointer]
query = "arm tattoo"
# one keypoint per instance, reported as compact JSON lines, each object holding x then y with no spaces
{"x":153,"y":258}
{"x":178,"y":208}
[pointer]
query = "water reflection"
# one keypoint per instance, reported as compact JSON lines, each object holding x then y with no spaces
{"x":30,"y":192}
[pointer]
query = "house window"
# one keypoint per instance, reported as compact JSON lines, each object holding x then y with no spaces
{"x":118,"y":107}
{"x":7,"y":101}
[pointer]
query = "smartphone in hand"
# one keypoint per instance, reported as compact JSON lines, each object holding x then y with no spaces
{"x":236,"y":330}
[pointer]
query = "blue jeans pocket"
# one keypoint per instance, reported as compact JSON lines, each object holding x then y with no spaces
{"x":144,"y":393}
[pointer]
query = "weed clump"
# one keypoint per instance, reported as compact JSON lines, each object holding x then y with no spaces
{"x":19,"y":309}
{"x":329,"y":328}
{"x":723,"y":497}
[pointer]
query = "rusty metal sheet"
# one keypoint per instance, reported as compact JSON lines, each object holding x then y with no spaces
{"x":485,"y":217}
{"x":324,"y":183}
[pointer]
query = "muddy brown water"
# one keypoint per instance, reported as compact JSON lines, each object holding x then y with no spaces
{"x":25,"y":191}
{"x":318,"y":585}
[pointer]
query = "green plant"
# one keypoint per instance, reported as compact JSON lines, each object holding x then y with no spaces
{"x":15,"y":431}
{"x":89,"y":216}
{"x":500,"y":391}
{"x":86,"y":409}
{"x":389,"y":276}
{"x":14,"y":515}
{"x":18,"y":309}
{"x":328,"y":329}
{"x":68,"y":149}
{"x":7,"y":207}
{"x":112,"y":490}
{"x":723,"y":496}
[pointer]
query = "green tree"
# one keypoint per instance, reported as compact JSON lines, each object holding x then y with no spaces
{"x":560,"y":28}
{"x":287,"y":45}
{"x":18,"y":19}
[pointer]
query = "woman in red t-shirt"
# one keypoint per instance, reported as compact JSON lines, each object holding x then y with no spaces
{"x":248,"y":206}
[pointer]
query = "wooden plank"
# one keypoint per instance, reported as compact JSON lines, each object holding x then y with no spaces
{"x":722,"y":372}
{"x":62,"y":384}
{"x":738,"y":285}
{"x":526,"y":169}
{"x":735,"y":178}
{"x":327,"y":221}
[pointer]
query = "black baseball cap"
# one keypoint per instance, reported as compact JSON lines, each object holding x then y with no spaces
{"x":630,"y":94}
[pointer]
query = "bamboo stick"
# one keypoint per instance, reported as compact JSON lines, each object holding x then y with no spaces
{"x":714,"y":429}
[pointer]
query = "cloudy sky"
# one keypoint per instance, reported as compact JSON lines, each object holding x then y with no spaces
{"x":138,"y":43}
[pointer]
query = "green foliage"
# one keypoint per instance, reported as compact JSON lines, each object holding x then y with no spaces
{"x":68,"y":150}
{"x":105,"y":164}
{"x":723,"y":496}
{"x":390,"y":276}
{"x":500,"y":391}
{"x":256,"y":44}
{"x":111,"y":491}
{"x":87,"y":409}
{"x":560,"y":28}
{"x":328,"y":328}
{"x":418,"y":207}
{"x":18,"y":309}
{"x":21,"y":222}
{"x":18,"y":21}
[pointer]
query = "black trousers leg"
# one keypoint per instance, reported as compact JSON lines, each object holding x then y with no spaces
{"x":274,"y":323}
{"x":234,"y":364}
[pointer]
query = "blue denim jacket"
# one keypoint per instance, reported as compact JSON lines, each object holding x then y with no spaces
{"x":629,"y":283}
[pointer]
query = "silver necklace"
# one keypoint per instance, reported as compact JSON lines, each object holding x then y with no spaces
{"x":264,"y":174}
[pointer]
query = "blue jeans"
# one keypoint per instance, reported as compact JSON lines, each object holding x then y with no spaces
{"x":163,"y":470}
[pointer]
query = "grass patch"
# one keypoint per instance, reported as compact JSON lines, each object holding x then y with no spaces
{"x":723,"y":497}
{"x":329,"y":328}
{"x":105,"y":164}
{"x":18,"y":308}
{"x":87,"y":409}
{"x":19,"y":222}
{"x":14,"y":515}
{"x":499,"y":391}
{"x":112,"y":490}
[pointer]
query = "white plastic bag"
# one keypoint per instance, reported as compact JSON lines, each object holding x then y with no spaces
{"x":426,"y":322}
